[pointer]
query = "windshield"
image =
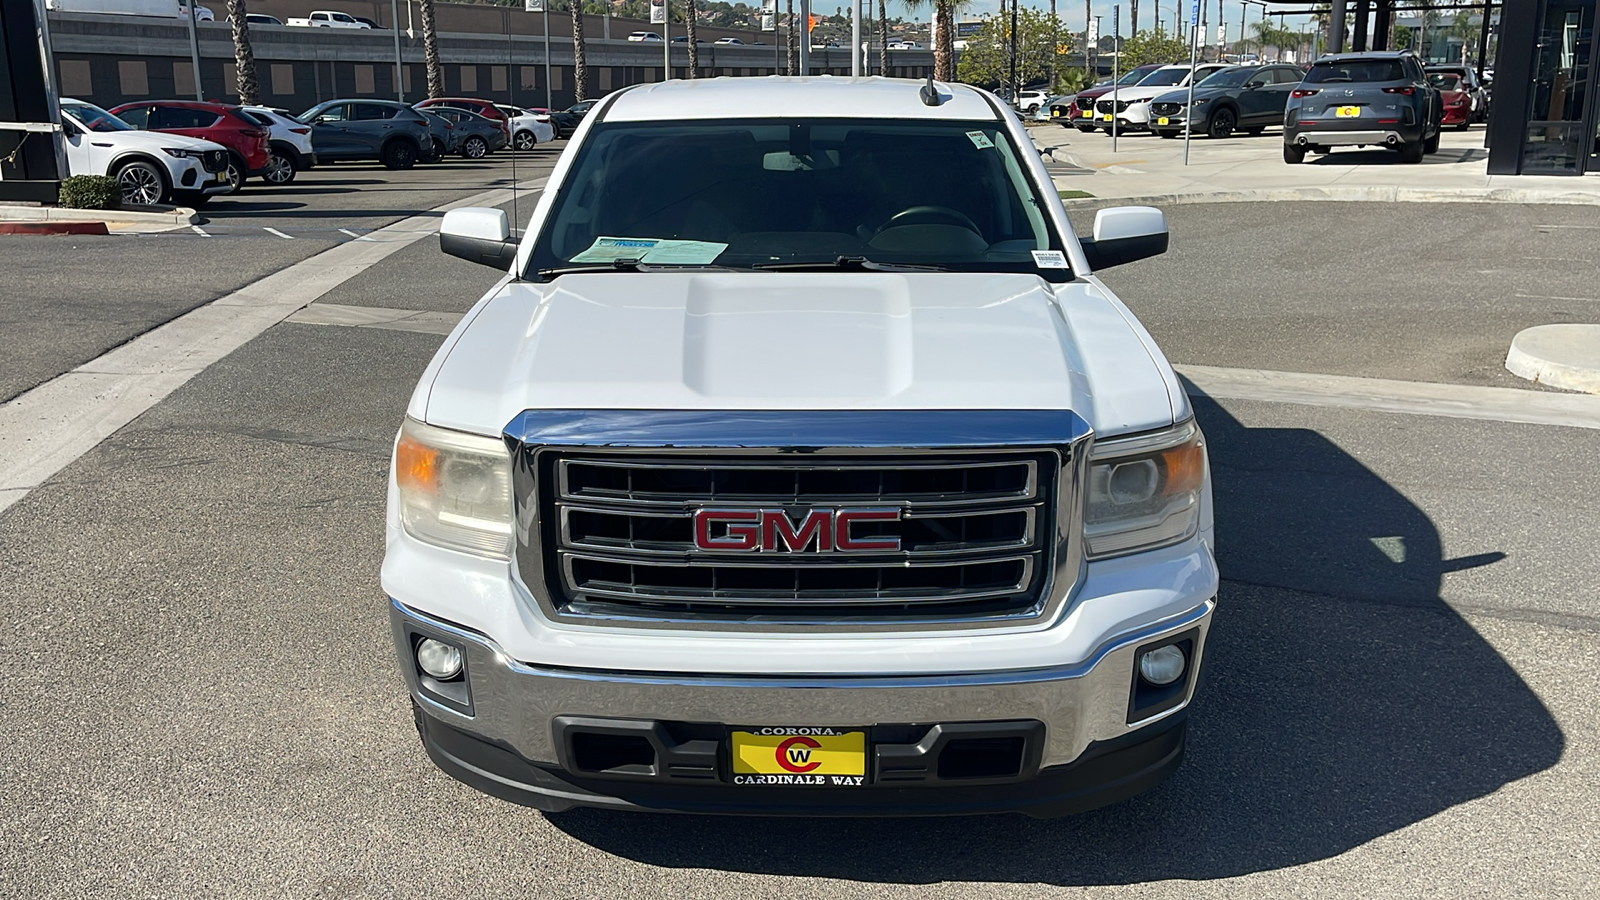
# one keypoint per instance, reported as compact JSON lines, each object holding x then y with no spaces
{"x":94,"y":118}
{"x":1164,"y":77}
{"x":1445,"y":81}
{"x":1135,"y":76}
{"x":1356,"y":70}
{"x":1228,"y":78}
{"x":767,"y":194}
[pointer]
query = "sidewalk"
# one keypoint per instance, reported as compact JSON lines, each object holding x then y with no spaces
{"x":1252,"y":168}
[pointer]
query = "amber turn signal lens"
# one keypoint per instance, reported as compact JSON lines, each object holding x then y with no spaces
{"x":416,"y":465}
{"x":1186,"y":468}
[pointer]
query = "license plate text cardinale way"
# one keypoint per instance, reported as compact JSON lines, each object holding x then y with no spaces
{"x":816,"y":757}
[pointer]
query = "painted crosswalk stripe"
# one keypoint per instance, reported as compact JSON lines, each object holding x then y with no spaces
{"x":200,"y":231}
{"x":287,"y":237}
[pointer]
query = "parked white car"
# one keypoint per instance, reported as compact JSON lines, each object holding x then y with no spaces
{"x":201,"y":13}
{"x":728,"y":41}
{"x":1029,"y":101}
{"x":646,"y":36}
{"x":325,"y":18}
{"x":290,"y":142}
{"x":960,"y":563}
{"x":152,"y":166}
{"x":1131,"y":105}
{"x":528,"y":129}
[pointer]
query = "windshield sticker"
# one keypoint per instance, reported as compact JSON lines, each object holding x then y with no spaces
{"x":660,"y":251}
{"x":980,"y":140}
{"x":1050,"y":259}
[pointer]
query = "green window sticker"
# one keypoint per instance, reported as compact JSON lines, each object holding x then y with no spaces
{"x":980,"y":140}
{"x":661,"y":251}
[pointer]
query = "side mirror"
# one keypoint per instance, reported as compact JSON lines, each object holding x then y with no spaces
{"x":1124,"y":234}
{"x":1253,"y":85}
{"x":478,"y":235}
{"x":68,"y":129}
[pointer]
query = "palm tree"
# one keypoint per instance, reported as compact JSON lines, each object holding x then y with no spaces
{"x":794,"y":48}
{"x":689,"y":13}
{"x":883,"y":37}
{"x":944,"y":50}
{"x":580,"y":65}
{"x":430,"y":50}
{"x":243,"y":56}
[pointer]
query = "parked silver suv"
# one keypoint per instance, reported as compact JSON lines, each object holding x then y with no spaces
{"x":1363,"y":99}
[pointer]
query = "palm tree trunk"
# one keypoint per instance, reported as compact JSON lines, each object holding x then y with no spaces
{"x":430,"y":50}
{"x":1088,"y":51}
{"x":883,"y":37}
{"x":244,"y":56}
{"x":944,"y":51}
{"x":688,"y":22}
{"x":794,"y":49}
{"x":580,"y":64}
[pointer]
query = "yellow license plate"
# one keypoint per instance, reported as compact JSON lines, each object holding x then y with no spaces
{"x":1161,"y":121}
{"x":1347,"y":112}
{"x":816,"y":757}
{"x":1088,"y":114}
{"x":1054,"y":112}
{"x":1106,"y":117}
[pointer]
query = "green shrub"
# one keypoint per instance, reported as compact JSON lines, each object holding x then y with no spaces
{"x":90,"y":192}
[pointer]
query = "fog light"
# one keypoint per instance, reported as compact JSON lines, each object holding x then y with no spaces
{"x":1163,"y":665}
{"x":443,"y":661}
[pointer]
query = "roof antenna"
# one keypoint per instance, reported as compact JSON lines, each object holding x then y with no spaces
{"x":929,"y":93}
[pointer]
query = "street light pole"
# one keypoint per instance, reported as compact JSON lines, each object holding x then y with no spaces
{"x":194,"y":51}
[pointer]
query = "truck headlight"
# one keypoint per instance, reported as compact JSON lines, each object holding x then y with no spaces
{"x":455,"y":489}
{"x":1144,"y":492}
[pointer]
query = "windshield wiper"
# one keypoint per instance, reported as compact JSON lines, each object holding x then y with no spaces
{"x":628,"y":265}
{"x":848,"y":264}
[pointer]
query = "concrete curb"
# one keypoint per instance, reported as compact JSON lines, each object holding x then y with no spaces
{"x":1563,"y":356}
{"x":180,"y":215}
{"x":1370,"y":194}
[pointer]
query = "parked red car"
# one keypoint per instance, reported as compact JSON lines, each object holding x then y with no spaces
{"x":1456,"y":98}
{"x":249,"y":151}
{"x":484,"y":108}
{"x":1084,"y":102}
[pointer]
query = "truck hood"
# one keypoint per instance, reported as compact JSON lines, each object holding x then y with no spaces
{"x":769,"y":340}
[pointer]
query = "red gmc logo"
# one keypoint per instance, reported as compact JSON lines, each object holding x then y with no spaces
{"x":772,"y":529}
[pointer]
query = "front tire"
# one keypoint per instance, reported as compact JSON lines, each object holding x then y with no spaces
{"x":526,"y":140}
{"x":399,"y":154}
{"x":143,"y":183}
{"x":280,"y":169}
{"x":474,"y":148}
{"x":235,"y":173}
{"x":1293,"y":155}
{"x":1221,"y":124}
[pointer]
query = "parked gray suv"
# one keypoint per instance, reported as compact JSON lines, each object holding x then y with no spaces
{"x":385,"y":130}
{"x":1378,"y":99}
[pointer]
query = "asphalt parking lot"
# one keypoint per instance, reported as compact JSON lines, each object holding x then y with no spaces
{"x":1401,"y":694}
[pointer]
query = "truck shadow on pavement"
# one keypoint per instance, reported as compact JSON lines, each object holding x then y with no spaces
{"x":1341,"y":700}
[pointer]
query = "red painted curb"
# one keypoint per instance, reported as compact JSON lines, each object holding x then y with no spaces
{"x":53,"y":228}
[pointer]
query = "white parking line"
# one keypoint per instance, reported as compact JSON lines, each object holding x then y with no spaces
{"x":287,"y":237}
{"x":358,"y":237}
{"x":198,"y":230}
{"x":45,"y":429}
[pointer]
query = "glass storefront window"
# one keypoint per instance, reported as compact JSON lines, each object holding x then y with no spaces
{"x":1555,"y":141}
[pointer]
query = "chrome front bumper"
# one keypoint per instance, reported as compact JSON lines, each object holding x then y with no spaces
{"x":515,"y":704}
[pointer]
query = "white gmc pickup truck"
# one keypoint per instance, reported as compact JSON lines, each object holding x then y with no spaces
{"x":801,"y":464}
{"x":324,"y":18}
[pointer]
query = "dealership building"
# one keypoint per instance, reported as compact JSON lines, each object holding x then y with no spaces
{"x":1546,"y":111}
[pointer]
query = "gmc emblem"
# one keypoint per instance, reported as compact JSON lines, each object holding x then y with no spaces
{"x":772,"y":529}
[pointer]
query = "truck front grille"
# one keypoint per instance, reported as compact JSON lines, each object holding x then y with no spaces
{"x":975,"y":535}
